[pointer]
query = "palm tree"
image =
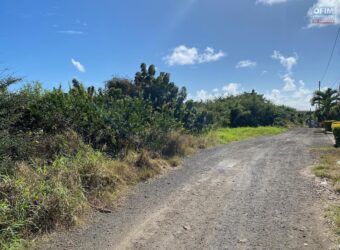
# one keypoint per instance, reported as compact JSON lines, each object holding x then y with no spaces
{"x":326,"y":100}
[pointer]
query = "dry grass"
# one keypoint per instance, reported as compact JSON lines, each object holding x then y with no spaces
{"x":178,"y":144}
{"x":328,"y":168}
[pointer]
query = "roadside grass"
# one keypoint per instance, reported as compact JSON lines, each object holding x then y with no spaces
{"x":228,"y":135}
{"x":43,"y":196}
{"x":334,"y":214}
{"x":328,"y":168}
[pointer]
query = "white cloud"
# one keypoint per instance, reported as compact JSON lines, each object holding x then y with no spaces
{"x":227,"y":90}
{"x":270,"y":2}
{"x":318,"y":7}
{"x":290,"y":94}
{"x":246,"y":64}
{"x":287,"y":62}
{"x":231,"y":89}
{"x":203,"y":95}
{"x":275,"y":94}
{"x":299,"y":98}
{"x":78,"y":65}
{"x":183,"y":55}
{"x":71,"y":32}
{"x":289,"y":83}
{"x":209,"y":55}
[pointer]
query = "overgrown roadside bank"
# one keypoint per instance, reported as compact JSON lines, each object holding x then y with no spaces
{"x":246,"y":195}
{"x":56,"y":194}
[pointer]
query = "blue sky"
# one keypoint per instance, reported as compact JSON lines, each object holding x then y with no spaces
{"x":213,"y":47}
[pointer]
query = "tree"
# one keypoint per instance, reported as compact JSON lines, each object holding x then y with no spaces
{"x":119,"y":88}
{"x":159,"y":90}
{"x":326,"y":100}
{"x":13,"y":143}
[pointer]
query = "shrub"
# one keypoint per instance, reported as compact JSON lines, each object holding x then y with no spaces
{"x":334,"y":124}
{"x":13,"y":140}
{"x":47,"y":147}
{"x":336,"y":132}
{"x":328,"y":125}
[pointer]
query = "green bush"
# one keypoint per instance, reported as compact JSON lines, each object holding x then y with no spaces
{"x":47,"y":147}
{"x":328,"y":125}
{"x":335,"y":124}
{"x":14,"y":142}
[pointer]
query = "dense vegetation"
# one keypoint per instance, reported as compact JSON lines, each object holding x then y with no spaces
{"x":250,"y":109}
{"x":63,"y":151}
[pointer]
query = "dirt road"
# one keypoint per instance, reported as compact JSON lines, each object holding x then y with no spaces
{"x":246,"y":195}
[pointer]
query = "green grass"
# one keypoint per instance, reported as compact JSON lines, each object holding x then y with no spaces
{"x":328,"y":168}
{"x":333,"y":213}
{"x":228,"y":135}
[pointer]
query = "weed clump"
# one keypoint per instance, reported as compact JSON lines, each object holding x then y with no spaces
{"x":40,"y":198}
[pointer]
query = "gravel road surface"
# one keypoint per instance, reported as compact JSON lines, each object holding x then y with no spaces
{"x":246,"y":195}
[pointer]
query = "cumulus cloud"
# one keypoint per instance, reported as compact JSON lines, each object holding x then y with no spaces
{"x":78,"y":65}
{"x":289,"y":83}
{"x":183,"y":55}
{"x":71,"y":32}
{"x":299,"y":98}
{"x":287,"y":62}
{"x":291,"y":94}
{"x":229,"y":89}
{"x":209,"y":55}
{"x":246,"y":64}
{"x":270,"y":2}
{"x":319,"y":8}
{"x":203,"y":95}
